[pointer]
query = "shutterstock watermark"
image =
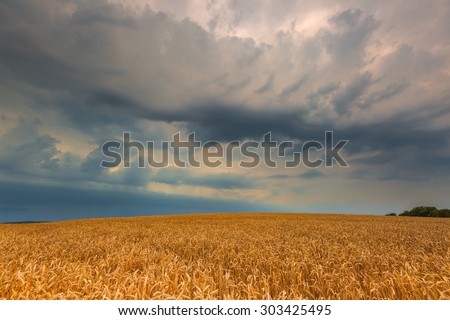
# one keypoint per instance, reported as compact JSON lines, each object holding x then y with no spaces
{"x":187,"y":151}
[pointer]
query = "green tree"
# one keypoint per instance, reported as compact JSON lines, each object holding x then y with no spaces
{"x":424,"y":211}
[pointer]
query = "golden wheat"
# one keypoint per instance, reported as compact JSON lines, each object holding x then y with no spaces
{"x":228,"y":256}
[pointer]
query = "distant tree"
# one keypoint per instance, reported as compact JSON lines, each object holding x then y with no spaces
{"x":424,"y":211}
{"x":392,"y":214}
{"x":442,"y":213}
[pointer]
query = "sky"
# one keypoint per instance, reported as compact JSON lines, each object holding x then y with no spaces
{"x":75,"y":74}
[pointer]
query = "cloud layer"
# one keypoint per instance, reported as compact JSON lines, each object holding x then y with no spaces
{"x":75,"y":74}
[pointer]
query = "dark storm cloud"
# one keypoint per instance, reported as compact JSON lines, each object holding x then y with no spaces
{"x":421,"y":151}
{"x":26,"y":152}
{"x":226,"y":122}
{"x":94,"y":106}
{"x":218,"y":181}
{"x":19,"y":202}
{"x":101,"y":69}
{"x":35,"y":52}
{"x":30,"y":155}
{"x":90,"y":105}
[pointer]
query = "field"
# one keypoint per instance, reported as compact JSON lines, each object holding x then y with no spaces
{"x":228,"y":256}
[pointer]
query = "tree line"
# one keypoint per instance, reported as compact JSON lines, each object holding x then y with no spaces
{"x":423,"y":211}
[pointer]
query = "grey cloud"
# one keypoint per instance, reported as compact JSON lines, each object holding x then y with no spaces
{"x":19,"y":202}
{"x":266,"y":86}
{"x":354,"y":29}
{"x":407,"y":63}
{"x":92,"y":105}
{"x":405,"y":155}
{"x":387,"y":92}
{"x":105,"y":69}
{"x":89,"y":170}
{"x":26,"y":152}
{"x":83,"y":61}
{"x":217,"y":181}
{"x":89,"y":13}
{"x":294,"y":87}
{"x":395,"y":139}
{"x":344,"y":98}
{"x":312,"y":174}
{"x":308,"y":175}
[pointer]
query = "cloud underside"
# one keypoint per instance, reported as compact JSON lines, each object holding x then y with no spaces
{"x":75,"y":74}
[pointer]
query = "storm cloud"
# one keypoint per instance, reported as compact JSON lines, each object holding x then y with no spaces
{"x":74,"y":74}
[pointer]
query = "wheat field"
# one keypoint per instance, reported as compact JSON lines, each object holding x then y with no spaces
{"x":228,"y":256}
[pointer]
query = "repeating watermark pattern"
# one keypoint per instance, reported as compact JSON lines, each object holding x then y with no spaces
{"x":213,"y":154}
